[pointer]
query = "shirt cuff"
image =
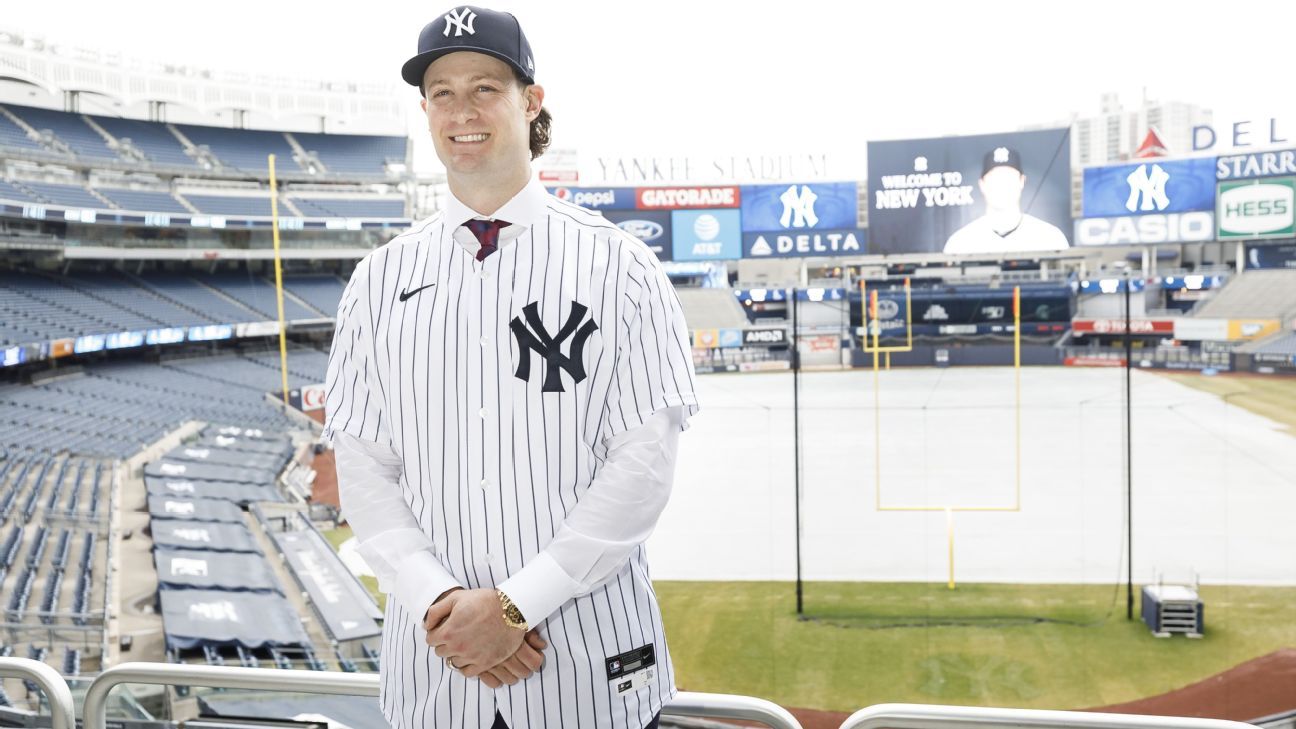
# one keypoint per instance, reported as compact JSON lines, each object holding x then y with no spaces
{"x":540,"y":588}
{"x":420,"y":581}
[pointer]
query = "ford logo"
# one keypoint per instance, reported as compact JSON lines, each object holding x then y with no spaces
{"x":645,"y":230}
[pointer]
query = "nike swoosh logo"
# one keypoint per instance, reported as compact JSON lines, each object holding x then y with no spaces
{"x":406,"y":294}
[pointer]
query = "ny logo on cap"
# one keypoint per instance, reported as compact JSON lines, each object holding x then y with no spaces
{"x":462,"y":20}
{"x":1001,"y":154}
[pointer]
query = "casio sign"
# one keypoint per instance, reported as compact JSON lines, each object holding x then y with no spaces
{"x":1156,"y":228}
{"x":645,"y":230}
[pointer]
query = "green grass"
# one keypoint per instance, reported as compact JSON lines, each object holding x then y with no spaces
{"x":1272,"y":397}
{"x":965,"y":646}
{"x":336,"y":537}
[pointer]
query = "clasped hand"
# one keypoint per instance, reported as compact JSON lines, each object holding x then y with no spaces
{"x":467,"y":628}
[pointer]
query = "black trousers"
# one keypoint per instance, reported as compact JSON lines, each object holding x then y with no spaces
{"x":499,"y":722}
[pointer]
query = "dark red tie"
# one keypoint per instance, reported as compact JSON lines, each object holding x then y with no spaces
{"x":487,"y":232}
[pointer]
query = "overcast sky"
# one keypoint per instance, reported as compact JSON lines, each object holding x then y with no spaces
{"x":678,"y":77}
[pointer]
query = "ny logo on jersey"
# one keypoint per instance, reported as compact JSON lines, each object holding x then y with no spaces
{"x":462,"y":20}
{"x":550,"y":347}
{"x":798,"y":210}
{"x":1151,"y":187}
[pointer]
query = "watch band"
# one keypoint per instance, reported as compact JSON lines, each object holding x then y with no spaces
{"x":512,"y":614}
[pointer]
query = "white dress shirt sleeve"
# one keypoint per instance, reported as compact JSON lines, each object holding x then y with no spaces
{"x":615,"y":515}
{"x":388,"y":535}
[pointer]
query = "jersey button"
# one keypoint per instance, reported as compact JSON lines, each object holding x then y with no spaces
{"x":482,"y":413}
{"x":484,"y":341}
{"x":485,"y":483}
{"x":483,"y":274}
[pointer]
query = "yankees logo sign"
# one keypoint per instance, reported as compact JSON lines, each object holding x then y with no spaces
{"x":537,"y":338}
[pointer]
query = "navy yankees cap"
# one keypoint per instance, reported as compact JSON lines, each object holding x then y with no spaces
{"x":469,"y":28}
{"x":1001,"y":157}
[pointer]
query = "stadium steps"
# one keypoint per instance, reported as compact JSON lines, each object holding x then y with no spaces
{"x":296,"y":211}
{"x":108,"y":204}
{"x":305,"y":159}
{"x":304,"y":303}
{"x":201,"y":157}
{"x":141,"y":283}
{"x":32,"y":134}
{"x":711,"y":308}
{"x":257,"y":316}
{"x":188,"y":205}
{"x":110,"y":140}
{"x":100,"y":297}
{"x":1260,"y":294}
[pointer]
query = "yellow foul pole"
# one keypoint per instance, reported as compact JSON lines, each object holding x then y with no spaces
{"x":274,"y":232}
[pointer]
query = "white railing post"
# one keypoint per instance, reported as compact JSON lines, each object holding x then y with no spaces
{"x":56,"y":690}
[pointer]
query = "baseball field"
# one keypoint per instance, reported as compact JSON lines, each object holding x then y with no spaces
{"x":1214,"y":478}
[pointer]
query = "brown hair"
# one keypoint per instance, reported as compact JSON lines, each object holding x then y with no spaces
{"x":541,"y":133}
{"x":541,"y":127}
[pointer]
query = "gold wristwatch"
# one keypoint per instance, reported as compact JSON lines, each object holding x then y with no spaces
{"x":512,"y":615}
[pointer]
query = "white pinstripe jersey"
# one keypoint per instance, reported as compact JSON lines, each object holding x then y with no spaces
{"x":492,"y":462}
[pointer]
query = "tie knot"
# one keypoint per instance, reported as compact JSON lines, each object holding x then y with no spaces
{"x":487,"y":233}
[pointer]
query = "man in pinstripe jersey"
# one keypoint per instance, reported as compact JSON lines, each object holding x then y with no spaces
{"x":506,"y":389}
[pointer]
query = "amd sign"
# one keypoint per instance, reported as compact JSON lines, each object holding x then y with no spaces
{"x":764,"y":337}
{"x":1188,"y":227}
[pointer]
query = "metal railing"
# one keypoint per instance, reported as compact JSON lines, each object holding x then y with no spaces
{"x":716,"y":706}
{"x":62,"y":710}
{"x":920,"y":716}
{"x":94,"y":711}
{"x":728,"y":706}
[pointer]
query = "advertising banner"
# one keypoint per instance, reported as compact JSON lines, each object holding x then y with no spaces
{"x":845,"y":242}
{"x":1271,"y":256}
{"x":1252,"y":328}
{"x":991,"y":193}
{"x":764,"y":337}
{"x":679,"y":198}
{"x":597,"y":198}
{"x":800,"y":207}
{"x":653,"y":227}
{"x":1256,"y":164}
{"x":731,"y":338}
{"x":706,"y":338}
{"x":706,"y":235}
{"x":1264,"y":208}
{"x":1153,"y":187}
{"x":1191,"y":227}
{"x":1189,"y":329}
{"x":1117,"y":326}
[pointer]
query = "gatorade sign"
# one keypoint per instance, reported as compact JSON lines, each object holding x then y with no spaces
{"x":1257,"y":208}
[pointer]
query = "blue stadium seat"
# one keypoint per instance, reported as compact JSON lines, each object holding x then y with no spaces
{"x":70,"y":128}
{"x":144,"y":201}
{"x":73,"y":196}
{"x":12,"y":135}
{"x":230,"y":205}
{"x":153,"y":139}
{"x":353,"y":154}
{"x":243,"y":149}
{"x":350,"y":207}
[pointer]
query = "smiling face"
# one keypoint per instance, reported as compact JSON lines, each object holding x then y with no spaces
{"x":479,"y":116}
